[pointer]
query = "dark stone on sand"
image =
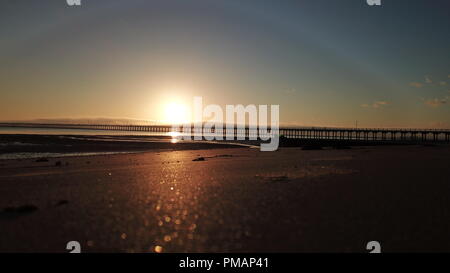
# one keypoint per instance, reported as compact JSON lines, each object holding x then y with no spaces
{"x":224,"y":156}
{"x":279,"y":178}
{"x":41,"y":160}
{"x":25,"y":209}
{"x":216,"y":156}
{"x":11,"y":213}
{"x":282,"y":178}
{"x":62,"y":202}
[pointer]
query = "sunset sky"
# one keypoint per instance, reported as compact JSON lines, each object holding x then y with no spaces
{"x":325,"y":62}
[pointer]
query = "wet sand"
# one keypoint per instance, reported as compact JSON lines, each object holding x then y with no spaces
{"x":239,"y":199}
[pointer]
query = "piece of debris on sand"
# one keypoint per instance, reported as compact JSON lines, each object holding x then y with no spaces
{"x":42,"y":159}
{"x":14,"y":212}
{"x":281,"y":178}
{"x":216,"y":156}
{"x":62,"y":202}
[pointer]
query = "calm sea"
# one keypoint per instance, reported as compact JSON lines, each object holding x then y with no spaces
{"x":51,"y":131}
{"x":109,"y":135}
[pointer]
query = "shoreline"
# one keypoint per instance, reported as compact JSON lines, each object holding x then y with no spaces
{"x":36,"y":146}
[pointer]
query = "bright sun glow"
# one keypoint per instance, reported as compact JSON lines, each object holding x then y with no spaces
{"x":176,"y":113}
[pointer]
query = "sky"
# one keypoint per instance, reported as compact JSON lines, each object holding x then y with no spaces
{"x":325,"y":62}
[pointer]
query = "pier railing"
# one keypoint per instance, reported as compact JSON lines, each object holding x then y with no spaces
{"x":329,"y":133}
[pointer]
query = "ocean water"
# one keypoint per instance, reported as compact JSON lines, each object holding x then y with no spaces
{"x":114,"y":135}
{"x":52,"y":131}
{"x":8,"y":156}
{"x":97,"y":135}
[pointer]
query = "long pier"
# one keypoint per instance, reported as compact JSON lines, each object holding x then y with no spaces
{"x":327,"y":133}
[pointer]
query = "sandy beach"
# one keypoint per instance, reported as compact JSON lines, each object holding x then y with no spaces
{"x":229,"y":200}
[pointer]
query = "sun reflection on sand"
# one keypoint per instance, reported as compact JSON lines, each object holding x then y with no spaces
{"x":177,"y":206}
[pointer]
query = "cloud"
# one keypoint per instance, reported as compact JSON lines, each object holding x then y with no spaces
{"x":376,"y":105}
{"x":416,"y":84}
{"x":91,"y":120}
{"x":379,"y":104}
{"x":436,"y":102}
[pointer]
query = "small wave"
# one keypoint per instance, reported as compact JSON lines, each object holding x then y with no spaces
{"x":41,"y":155}
{"x":17,"y":144}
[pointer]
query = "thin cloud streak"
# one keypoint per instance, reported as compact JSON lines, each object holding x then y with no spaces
{"x":376,"y":104}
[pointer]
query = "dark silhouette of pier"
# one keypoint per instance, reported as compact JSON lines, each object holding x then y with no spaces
{"x":315,"y":133}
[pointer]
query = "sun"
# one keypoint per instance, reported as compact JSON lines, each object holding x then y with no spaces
{"x":176,"y":113}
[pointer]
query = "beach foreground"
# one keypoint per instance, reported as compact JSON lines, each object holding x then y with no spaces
{"x":223,"y":200}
